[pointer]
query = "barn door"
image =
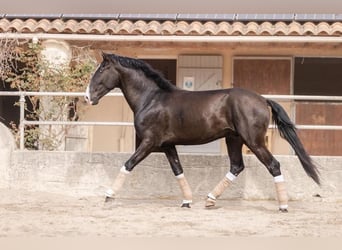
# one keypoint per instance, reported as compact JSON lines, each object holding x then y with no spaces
{"x":200,"y":72}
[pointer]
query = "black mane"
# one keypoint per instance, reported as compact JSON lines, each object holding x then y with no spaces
{"x":146,"y":69}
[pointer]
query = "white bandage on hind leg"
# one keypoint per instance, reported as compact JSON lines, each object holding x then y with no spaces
{"x":118,"y":182}
{"x":185,"y":187}
{"x":281,"y":191}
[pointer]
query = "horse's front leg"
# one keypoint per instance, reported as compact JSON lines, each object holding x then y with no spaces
{"x":172,"y":156}
{"x":142,"y":151}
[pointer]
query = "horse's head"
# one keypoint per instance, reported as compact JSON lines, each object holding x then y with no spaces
{"x":105,"y":78}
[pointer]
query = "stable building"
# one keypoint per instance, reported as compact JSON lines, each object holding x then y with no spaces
{"x":272,"y":54}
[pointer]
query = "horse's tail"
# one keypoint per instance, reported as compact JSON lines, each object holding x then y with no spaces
{"x":287,"y":131}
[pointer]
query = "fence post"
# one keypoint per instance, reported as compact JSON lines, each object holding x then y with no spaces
{"x":22,"y":121}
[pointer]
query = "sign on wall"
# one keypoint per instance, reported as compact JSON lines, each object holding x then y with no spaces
{"x":196,"y":73}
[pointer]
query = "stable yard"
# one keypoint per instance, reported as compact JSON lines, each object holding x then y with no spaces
{"x":31,"y":214}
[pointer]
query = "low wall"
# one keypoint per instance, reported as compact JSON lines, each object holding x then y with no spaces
{"x":7,"y":146}
{"x":88,"y":174}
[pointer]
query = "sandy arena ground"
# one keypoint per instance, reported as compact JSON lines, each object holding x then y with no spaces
{"x":30,"y":214}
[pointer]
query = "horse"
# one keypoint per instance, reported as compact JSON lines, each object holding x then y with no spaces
{"x":166,"y":116}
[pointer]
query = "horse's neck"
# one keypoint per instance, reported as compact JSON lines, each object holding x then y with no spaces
{"x":137,"y":90}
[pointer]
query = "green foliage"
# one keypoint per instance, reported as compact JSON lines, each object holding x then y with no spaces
{"x":34,"y":73}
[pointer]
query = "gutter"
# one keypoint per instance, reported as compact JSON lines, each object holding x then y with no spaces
{"x":175,"y":39}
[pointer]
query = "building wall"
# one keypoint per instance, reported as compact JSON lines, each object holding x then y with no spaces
{"x":110,"y":138}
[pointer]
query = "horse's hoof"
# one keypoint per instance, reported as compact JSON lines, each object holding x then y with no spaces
{"x":187,"y":205}
{"x":283,"y":210}
{"x":210,"y":203}
{"x":109,"y":199}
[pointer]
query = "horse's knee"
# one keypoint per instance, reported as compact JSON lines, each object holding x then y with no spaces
{"x":237,"y":169}
{"x":274,"y":168}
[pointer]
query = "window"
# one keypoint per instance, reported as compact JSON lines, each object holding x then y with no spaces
{"x":318,"y":76}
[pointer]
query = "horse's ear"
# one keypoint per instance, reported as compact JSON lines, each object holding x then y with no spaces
{"x":104,"y":55}
{"x":107,"y":57}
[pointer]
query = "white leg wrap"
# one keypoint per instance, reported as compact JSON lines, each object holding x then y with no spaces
{"x":109,"y":192}
{"x":211,"y":196}
{"x":219,"y":189}
{"x":185,"y":187}
{"x":230,"y":176}
{"x":123,"y":170}
{"x":281,"y":192}
{"x":279,"y":178}
{"x":118,"y":182}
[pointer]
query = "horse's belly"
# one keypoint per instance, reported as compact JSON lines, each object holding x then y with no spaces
{"x":197,"y":134}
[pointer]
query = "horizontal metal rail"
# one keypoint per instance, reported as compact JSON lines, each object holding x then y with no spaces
{"x":24,"y":122}
{"x":274,"y":97}
{"x":37,"y":93}
{"x":313,"y":127}
{"x":304,"y":98}
{"x":78,"y":123}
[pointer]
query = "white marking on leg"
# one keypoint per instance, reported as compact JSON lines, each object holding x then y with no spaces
{"x":230,"y":176}
{"x":279,"y":178}
{"x":109,"y":193}
{"x":124,"y":170}
{"x":180,"y":176}
{"x":284,"y":206}
{"x":87,"y":94}
{"x":211,"y":196}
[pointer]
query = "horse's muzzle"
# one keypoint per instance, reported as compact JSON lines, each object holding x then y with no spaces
{"x":86,"y":98}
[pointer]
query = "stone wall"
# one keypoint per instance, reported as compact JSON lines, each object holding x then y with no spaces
{"x":7,"y":145}
{"x":88,"y":174}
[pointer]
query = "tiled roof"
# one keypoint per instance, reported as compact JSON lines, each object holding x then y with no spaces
{"x":171,"y":27}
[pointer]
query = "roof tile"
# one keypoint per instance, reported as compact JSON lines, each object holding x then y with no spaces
{"x":171,"y":27}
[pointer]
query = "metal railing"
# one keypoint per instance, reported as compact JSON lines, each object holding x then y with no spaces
{"x":23,"y":122}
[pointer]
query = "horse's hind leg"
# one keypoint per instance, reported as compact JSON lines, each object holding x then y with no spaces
{"x":234,"y":145}
{"x":172,"y":156}
{"x":273,"y":166}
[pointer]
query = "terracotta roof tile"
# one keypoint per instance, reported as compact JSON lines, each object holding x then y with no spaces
{"x":171,"y":27}
{"x":266,"y":29}
{"x":167,"y":28}
{"x":43,"y":26}
{"x":280,"y":29}
{"x":336,"y":28}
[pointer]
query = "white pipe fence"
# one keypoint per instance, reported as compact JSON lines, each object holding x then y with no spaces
{"x":23,"y":122}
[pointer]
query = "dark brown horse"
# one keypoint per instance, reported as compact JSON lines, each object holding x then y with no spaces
{"x":165,"y":116}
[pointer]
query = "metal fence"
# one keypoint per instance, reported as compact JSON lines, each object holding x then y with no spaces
{"x":23,"y":122}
